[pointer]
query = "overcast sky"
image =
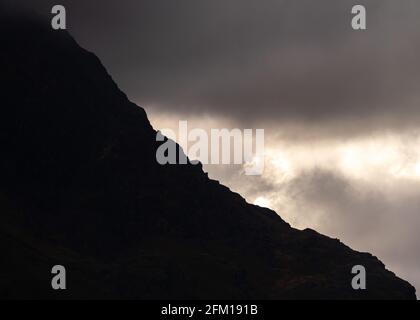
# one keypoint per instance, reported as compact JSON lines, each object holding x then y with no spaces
{"x":340,"y":107}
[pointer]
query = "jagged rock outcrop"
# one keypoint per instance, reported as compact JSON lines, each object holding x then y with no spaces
{"x":80,"y":187}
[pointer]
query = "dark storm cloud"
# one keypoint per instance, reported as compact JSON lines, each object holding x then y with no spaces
{"x":272,"y":60}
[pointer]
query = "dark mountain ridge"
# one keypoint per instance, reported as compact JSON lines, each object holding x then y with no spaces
{"x":80,"y":186}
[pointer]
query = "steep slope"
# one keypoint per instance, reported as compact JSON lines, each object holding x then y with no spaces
{"x":80,"y":187}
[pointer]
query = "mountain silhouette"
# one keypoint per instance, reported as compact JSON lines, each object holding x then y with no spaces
{"x":80,"y":187}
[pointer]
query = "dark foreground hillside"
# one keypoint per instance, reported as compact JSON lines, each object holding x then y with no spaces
{"x":80,"y":187}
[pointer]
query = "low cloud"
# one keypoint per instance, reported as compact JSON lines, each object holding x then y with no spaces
{"x":374,"y":218}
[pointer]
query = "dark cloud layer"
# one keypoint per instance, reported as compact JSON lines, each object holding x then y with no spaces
{"x":260,"y":61}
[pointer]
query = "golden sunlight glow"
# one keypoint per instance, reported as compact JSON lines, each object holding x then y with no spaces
{"x":384,"y":156}
{"x":262,"y":202}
